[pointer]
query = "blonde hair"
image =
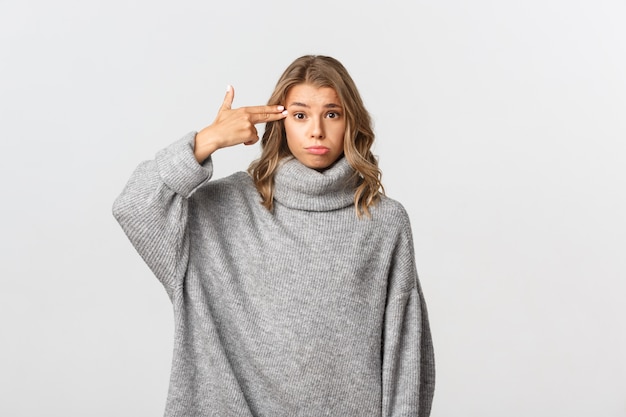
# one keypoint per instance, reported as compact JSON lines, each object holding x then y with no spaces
{"x":322,"y":71}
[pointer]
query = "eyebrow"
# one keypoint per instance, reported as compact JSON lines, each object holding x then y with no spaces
{"x":326,"y":106}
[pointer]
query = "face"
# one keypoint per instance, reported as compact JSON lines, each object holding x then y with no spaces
{"x":315,"y":125}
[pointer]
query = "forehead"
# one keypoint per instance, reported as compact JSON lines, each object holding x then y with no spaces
{"x":311,"y":95}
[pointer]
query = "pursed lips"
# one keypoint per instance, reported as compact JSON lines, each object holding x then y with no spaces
{"x":317,"y":150}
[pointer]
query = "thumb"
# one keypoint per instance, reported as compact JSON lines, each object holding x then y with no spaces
{"x":228,"y":99}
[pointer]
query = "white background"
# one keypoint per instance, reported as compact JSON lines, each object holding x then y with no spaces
{"x":500,"y":126}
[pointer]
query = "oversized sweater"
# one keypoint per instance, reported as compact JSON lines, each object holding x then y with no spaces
{"x":305,"y":310}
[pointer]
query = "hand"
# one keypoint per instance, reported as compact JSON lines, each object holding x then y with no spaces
{"x":234,"y":126}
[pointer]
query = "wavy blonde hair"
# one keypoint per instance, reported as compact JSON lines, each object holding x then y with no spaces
{"x":322,"y":71}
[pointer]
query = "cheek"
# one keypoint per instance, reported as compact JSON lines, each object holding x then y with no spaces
{"x":339,"y":132}
{"x":291,"y":135}
{"x":294,"y":132}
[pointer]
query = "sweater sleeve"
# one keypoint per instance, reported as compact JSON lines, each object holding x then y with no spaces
{"x":408,"y":369}
{"x":152,"y":209}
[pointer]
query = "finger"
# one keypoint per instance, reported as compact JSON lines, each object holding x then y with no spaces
{"x":253,"y":139}
{"x":228,"y":98}
{"x":267,"y":117}
{"x":263,"y":109}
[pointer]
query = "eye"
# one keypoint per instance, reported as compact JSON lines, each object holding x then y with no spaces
{"x":332,"y":115}
{"x":298,"y":116}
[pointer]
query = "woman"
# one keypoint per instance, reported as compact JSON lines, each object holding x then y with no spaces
{"x":294,"y":286}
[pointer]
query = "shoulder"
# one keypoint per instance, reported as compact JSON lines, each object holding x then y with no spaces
{"x":239,"y":180}
{"x":392,"y":218}
{"x":391,"y":212}
{"x":232,"y":189}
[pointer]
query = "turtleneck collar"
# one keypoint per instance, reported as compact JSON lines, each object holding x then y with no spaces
{"x":299,"y":187}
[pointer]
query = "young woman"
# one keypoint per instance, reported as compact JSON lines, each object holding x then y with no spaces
{"x":294,"y":286}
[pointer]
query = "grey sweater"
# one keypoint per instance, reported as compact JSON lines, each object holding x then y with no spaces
{"x":303,"y":311}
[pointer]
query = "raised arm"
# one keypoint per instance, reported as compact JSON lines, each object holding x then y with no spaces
{"x":153,"y":207}
{"x":234,"y":126}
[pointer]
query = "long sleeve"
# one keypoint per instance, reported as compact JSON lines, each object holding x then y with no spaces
{"x":152,"y":209}
{"x":269,"y":320}
{"x":408,"y":358}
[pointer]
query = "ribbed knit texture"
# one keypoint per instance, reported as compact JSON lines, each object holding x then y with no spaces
{"x":303,"y":311}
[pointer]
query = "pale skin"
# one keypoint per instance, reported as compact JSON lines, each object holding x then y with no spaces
{"x":234,"y":126}
{"x":314,"y":126}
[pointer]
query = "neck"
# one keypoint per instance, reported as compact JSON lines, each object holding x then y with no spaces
{"x":299,"y":187}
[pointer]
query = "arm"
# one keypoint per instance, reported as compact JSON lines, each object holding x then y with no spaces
{"x":153,"y":207}
{"x":408,"y":360}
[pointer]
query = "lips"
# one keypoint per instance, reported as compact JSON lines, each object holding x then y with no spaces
{"x":318,"y":150}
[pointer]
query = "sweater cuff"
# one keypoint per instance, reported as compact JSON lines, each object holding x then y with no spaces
{"x":179,"y":168}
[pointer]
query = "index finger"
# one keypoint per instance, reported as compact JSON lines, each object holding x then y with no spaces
{"x":261,"y":114}
{"x":267,"y":117}
{"x":264,"y":109}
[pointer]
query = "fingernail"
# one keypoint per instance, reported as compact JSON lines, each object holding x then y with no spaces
{"x":285,"y":113}
{"x":281,"y":108}
{"x":228,"y":87}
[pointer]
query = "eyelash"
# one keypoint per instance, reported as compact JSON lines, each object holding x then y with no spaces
{"x":334,"y":113}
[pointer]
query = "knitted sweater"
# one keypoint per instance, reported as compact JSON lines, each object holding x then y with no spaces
{"x":303,"y":311}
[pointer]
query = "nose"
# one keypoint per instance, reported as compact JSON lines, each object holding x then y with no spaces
{"x":317,"y":129}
